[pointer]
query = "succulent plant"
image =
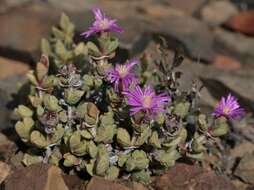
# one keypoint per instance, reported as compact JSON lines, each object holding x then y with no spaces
{"x":94,"y":116}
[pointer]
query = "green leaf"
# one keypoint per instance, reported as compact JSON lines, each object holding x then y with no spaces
{"x":24,"y":128}
{"x":111,"y":45}
{"x":123,"y":137}
{"x":93,"y":49}
{"x":51,"y":103}
{"x":23,"y":111}
{"x":72,"y":96}
{"x":38,"y":139}
{"x":182,"y":109}
{"x":45,"y":47}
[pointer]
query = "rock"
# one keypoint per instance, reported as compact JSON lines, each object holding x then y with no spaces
{"x":218,"y":12}
{"x":188,"y":7}
{"x":142,"y":18}
{"x":73,"y":182}
{"x":242,"y":22}
{"x":99,"y":184}
{"x":10,"y":67}
{"x":245,"y":168}
{"x":7,"y":148}
{"x":4,"y":171}
{"x":23,"y":28}
{"x":226,"y":63}
{"x":36,"y":177}
{"x":183,"y":176}
{"x":237,"y":45}
{"x":8,"y":89}
{"x":70,"y":6}
{"x":246,"y":4}
{"x":240,"y":185}
{"x":192,"y":34}
{"x":242,"y":149}
{"x":6,"y":5}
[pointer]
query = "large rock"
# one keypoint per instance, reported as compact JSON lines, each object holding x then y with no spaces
{"x":190,"y":33}
{"x":182,"y":177}
{"x":10,"y":67}
{"x":242,"y":22}
{"x":236,"y":44}
{"x":245,"y":169}
{"x":189,"y":7}
{"x":218,"y":12}
{"x":99,"y":184}
{"x":6,"y":5}
{"x":36,"y":177}
{"x":9,"y":98}
{"x":23,"y":28}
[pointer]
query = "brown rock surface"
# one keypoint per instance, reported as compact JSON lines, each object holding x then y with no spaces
{"x":102,"y":184}
{"x":36,"y":177}
{"x":23,"y":28}
{"x":4,"y":171}
{"x":242,"y":22}
{"x":226,"y":63}
{"x":245,"y":169}
{"x":10,"y":67}
{"x":183,"y":177}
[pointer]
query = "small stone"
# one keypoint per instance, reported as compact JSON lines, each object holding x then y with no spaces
{"x":226,"y":63}
{"x":245,"y":169}
{"x":4,"y":171}
{"x":183,"y":176}
{"x":242,"y":22}
{"x":36,"y":177}
{"x":218,"y":12}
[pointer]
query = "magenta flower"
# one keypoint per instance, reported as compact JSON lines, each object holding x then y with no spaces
{"x":122,"y":75}
{"x":146,"y":101}
{"x":101,"y":24}
{"x":229,"y":108}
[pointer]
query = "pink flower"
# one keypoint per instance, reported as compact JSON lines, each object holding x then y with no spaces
{"x":146,"y":101}
{"x":229,"y":108}
{"x":122,"y":76}
{"x":101,"y":24}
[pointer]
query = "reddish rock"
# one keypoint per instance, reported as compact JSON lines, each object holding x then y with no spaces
{"x":22,"y":29}
{"x":216,"y":13}
{"x":36,"y":177}
{"x":102,"y":184}
{"x":243,"y":22}
{"x":10,"y":67}
{"x":183,"y":176}
{"x":226,"y":63}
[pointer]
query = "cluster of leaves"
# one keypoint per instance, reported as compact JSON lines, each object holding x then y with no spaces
{"x":76,"y":120}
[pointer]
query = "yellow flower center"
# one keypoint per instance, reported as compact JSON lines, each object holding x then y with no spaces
{"x":104,"y":24}
{"x":226,"y":110}
{"x":147,"y":100}
{"x":123,"y":71}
